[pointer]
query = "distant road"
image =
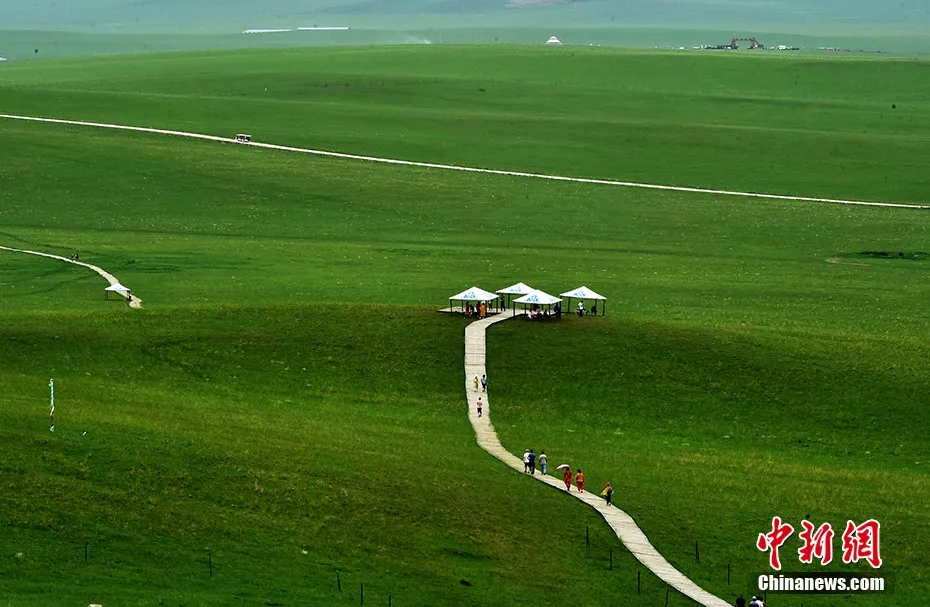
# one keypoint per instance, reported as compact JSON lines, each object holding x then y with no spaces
{"x":451,"y":167}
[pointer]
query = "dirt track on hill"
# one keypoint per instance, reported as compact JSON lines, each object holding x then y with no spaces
{"x":451,"y":167}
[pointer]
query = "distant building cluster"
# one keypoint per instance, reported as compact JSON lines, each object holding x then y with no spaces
{"x":753,"y":45}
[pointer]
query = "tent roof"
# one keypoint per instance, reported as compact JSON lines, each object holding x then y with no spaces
{"x":117,"y":288}
{"x":553,"y":40}
{"x":474,"y":294}
{"x":538,"y":297}
{"x":517,"y":289}
{"x":582,"y":293}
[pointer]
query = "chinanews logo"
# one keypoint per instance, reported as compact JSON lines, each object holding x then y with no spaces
{"x":860,"y":542}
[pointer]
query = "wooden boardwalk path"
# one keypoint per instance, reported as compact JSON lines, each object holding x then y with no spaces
{"x":134,"y":302}
{"x":624,"y":526}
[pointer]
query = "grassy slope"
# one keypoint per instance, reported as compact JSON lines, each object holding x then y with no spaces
{"x":745,"y":423}
{"x":730,"y":307}
{"x":254,"y":434}
{"x":273,"y":230}
{"x":746,"y":122}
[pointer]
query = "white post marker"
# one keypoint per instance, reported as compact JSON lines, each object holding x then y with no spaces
{"x":51,"y":413}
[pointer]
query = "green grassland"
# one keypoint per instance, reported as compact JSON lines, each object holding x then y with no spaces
{"x":289,"y":388}
{"x":280,"y":447}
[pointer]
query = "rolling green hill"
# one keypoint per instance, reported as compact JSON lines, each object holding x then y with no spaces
{"x":289,"y":403}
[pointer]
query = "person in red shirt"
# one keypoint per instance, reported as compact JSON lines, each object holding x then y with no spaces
{"x":579,"y":480}
{"x":567,"y":477}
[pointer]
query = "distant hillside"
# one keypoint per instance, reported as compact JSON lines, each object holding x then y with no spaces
{"x":852,"y":17}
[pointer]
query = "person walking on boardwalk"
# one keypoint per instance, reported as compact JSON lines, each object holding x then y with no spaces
{"x":608,"y":492}
{"x":532,"y":462}
{"x":480,"y":406}
{"x":543,"y":461}
{"x":526,"y":460}
{"x":484,"y":382}
{"x":579,"y":480}
{"x":476,"y":383}
{"x":567,"y":477}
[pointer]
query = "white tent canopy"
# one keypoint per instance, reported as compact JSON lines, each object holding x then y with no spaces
{"x":586,"y":293}
{"x":538,"y":297}
{"x":582,"y":293}
{"x":517,"y":289}
{"x":116,"y":288}
{"x":474,"y":294}
{"x":553,"y":41}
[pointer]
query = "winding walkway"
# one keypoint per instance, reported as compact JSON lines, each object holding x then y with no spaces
{"x":624,"y":526}
{"x":134,"y":302}
{"x":451,"y":167}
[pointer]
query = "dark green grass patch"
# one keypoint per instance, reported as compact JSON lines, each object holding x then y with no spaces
{"x":908,"y":255}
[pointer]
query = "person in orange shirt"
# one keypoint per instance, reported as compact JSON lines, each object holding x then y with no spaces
{"x":579,"y":480}
{"x":567,"y":477}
